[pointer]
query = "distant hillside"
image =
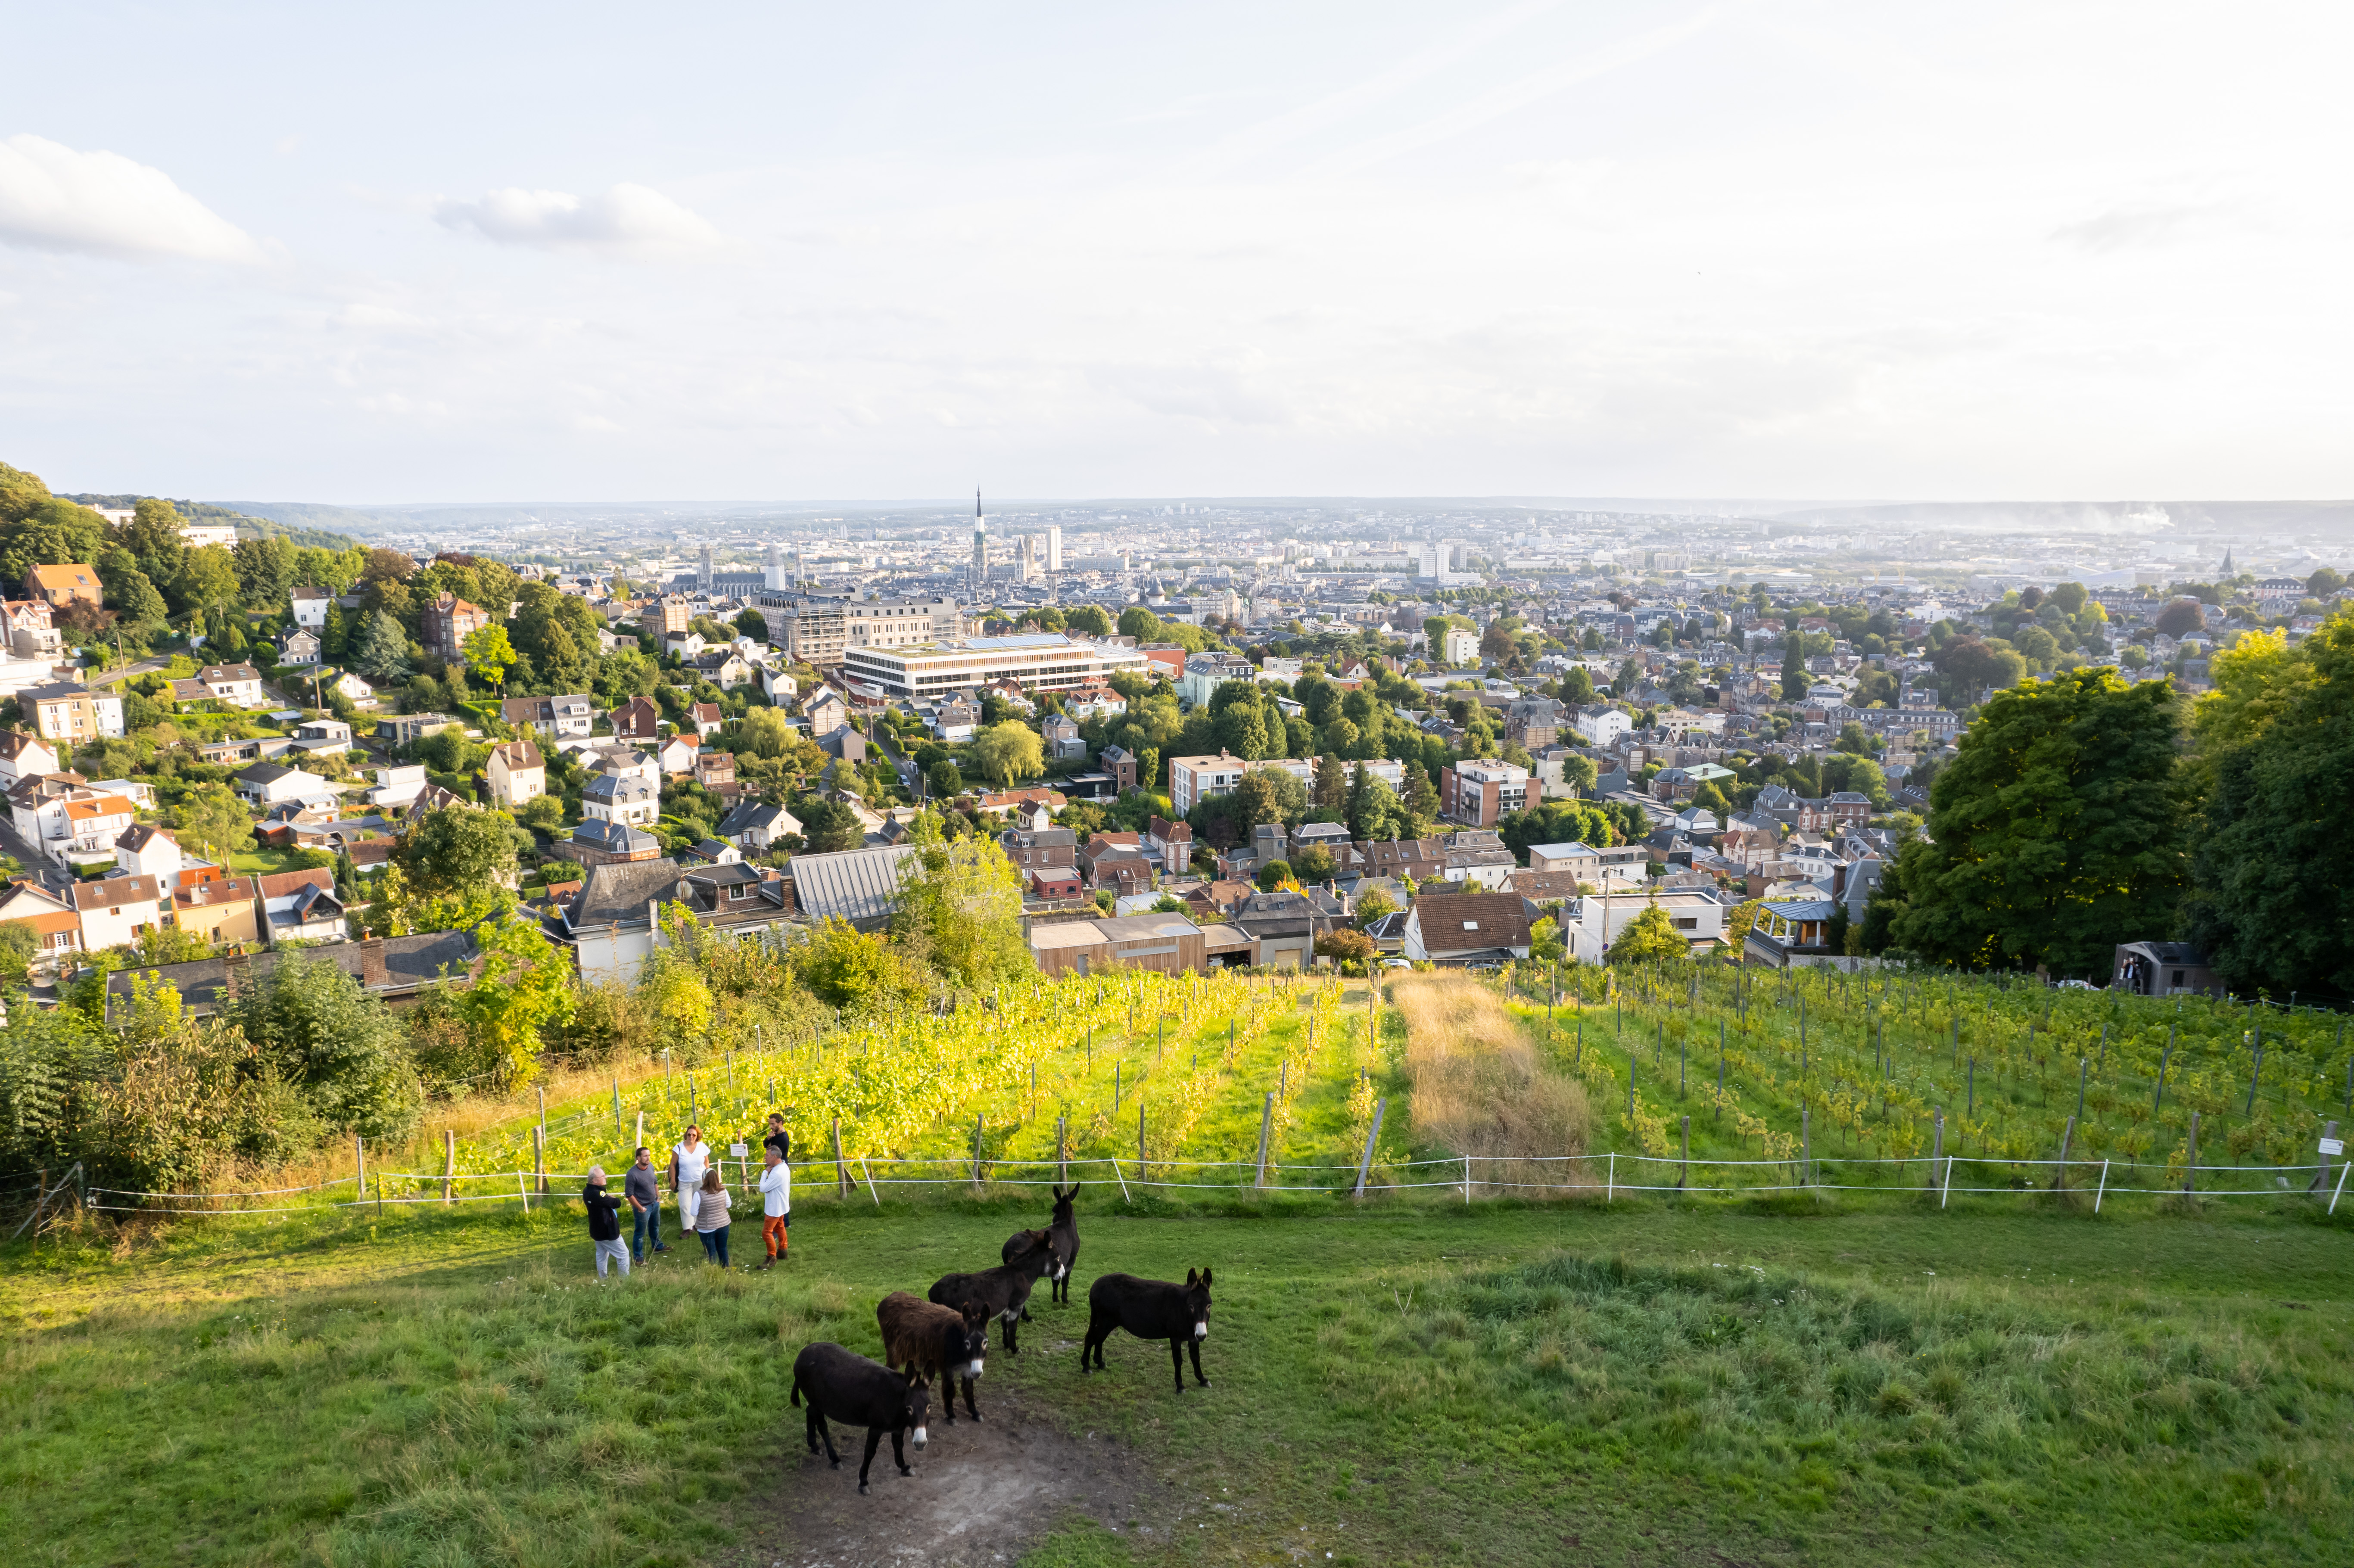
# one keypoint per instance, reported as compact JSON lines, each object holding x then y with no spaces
{"x":298,"y":516}
{"x":247,"y":524}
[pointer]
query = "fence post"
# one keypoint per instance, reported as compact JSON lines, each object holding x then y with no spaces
{"x":618,"y":1127}
{"x":841,"y":1172}
{"x":1683,"y":1178}
{"x":2104,"y":1190}
{"x":1115,"y":1088}
{"x":1266,"y":1125}
{"x":542,"y":1110}
{"x":1805,"y":1146}
{"x":1143,"y":1166}
{"x":2321,"y":1168}
{"x":1937,"y":1145}
{"x":1610,"y":1181}
{"x":976,"y":1151}
{"x":1062,"y":1151}
{"x":449,"y":1165}
{"x":1366,"y":1165}
{"x":359,"y":1161}
{"x":539,"y":1157}
{"x":2067,"y":1137}
{"x":1467,"y":1179}
{"x":639,"y":1141}
{"x":2191,"y":1165}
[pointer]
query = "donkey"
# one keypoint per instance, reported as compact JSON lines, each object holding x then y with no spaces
{"x":1003,"y":1290}
{"x":937,"y":1341}
{"x":860,"y":1393}
{"x":1064,"y":1230}
{"x":1150,"y":1309}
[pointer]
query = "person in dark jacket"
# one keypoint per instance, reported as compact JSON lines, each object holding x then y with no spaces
{"x":779,"y":1138}
{"x":604,"y":1224}
{"x":646,"y":1199}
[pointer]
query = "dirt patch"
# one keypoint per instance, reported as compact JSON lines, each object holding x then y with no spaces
{"x":982,"y":1493}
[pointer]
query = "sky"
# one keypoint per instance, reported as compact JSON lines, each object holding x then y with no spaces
{"x":360,"y":255}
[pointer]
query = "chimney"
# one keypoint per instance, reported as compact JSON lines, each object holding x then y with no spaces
{"x":372,"y":974}
{"x":233,"y":973}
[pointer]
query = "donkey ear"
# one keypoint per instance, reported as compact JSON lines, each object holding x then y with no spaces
{"x":915,"y":1378}
{"x":1190,"y":1279}
{"x":1205,"y":1279}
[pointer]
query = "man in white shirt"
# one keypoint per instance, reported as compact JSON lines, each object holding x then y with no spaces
{"x":776,"y":1201}
{"x":689,"y":1157}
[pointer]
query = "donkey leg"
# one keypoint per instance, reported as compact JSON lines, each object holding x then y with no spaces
{"x":1177,"y":1362}
{"x":873,"y":1441}
{"x":1196,"y":1346}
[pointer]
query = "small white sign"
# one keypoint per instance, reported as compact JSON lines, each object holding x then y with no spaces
{"x":2333,"y":1146}
{"x":736,"y":1151}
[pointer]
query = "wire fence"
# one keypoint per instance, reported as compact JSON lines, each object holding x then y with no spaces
{"x":1573,"y":1177}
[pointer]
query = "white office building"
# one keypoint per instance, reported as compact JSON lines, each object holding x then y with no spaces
{"x":1040,"y":662}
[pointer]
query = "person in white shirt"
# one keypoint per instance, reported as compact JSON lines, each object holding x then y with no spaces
{"x":776,"y":1201}
{"x":689,"y":1157}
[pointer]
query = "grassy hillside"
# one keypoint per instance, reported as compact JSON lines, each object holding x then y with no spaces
{"x":1469,"y":1385}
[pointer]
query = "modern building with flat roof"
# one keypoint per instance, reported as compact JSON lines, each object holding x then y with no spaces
{"x":1040,"y":661}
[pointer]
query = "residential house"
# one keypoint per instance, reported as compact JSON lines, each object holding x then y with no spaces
{"x":1578,"y":859}
{"x":1458,"y":928}
{"x":725,"y":668}
{"x":74,"y":714}
{"x":1282,"y":927}
{"x":302,"y":905}
{"x":1005,"y":801}
{"x":517,"y":774}
{"x":238,"y":685}
{"x":860,"y":886}
{"x":265,"y":784}
{"x":30,"y":630}
{"x":715,"y":771}
{"x":397,"y":789}
{"x":638,"y":719}
{"x":1167,"y":944}
{"x":1698,"y":915}
{"x":114,"y":910}
{"x":146,"y":849}
{"x":1533,"y":722}
{"x":299,"y":645}
{"x":1410,"y":862}
{"x":1543,"y":888}
{"x":755,"y":827}
{"x":408,"y":729}
{"x":1482,"y":793}
{"x":1332,"y":838}
{"x":1063,"y":741}
{"x":1049,"y":857}
{"x":395,"y":970}
{"x":24,"y":755}
{"x":310,"y":605}
{"x":219,"y":910}
{"x":445,"y":625}
{"x":1479,"y":857}
{"x":707,"y":717}
{"x":623,"y":798}
{"x":1601,"y":726}
{"x":566,"y":717}
{"x":596,"y":842}
{"x":779,"y":686}
{"x":60,"y":585}
{"x":675,"y":756}
{"x":1122,"y":765}
{"x":1171,"y":843}
{"x":826,"y":712}
{"x":51,"y":917}
{"x":68,"y":822}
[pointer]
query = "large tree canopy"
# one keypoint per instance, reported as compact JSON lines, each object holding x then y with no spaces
{"x":2275,"y":748}
{"x":2055,"y":833}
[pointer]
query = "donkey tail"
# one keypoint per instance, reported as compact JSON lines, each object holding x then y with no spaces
{"x":797,"y":1385}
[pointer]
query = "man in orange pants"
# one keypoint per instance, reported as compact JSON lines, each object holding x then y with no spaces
{"x":776,"y":1201}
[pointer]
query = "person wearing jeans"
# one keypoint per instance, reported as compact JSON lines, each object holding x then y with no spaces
{"x":604,"y":1224}
{"x":689,"y":1157}
{"x":776,"y":1201}
{"x":711,"y":1216}
{"x":645,"y":1199}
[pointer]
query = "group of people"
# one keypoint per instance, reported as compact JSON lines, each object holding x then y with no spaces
{"x":705,"y":1204}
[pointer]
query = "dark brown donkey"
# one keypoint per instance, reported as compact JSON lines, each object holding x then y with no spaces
{"x":851,"y":1389}
{"x":1004,"y":1290}
{"x":938,"y":1342}
{"x":1150,"y":1309}
{"x":1064,"y":1230}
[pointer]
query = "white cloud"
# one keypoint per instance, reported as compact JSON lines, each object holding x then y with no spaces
{"x":53,"y":197}
{"x":626,"y":219}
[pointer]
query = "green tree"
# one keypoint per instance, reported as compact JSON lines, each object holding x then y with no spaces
{"x":2274,"y":747}
{"x":943,"y":779}
{"x":960,"y":908}
{"x":1090,"y":620}
{"x":488,"y":651}
{"x":384,"y":648}
{"x":1650,"y":938}
{"x":526,"y":988}
{"x":213,"y":823}
{"x":2054,"y":834}
{"x":845,"y":968}
{"x":1274,"y":874}
{"x":829,"y":827}
{"x":1139,"y":623}
{"x":1794,"y":663}
{"x":317,"y":1030}
{"x":1268,"y":795}
{"x":460,"y":855}
{"x":1007,"y":751}
{"x":208,"y":580}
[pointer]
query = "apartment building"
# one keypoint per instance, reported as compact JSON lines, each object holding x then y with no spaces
{"x":75,"y":715}
{"x":821,"y":631}
{"x":1033,"y":663}
{"x":1197,"y":779}
{"x":446,"y":624}
{"x":1480,"y":793}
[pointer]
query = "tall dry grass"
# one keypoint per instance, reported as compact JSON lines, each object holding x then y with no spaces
{"x":1482,"y":1089}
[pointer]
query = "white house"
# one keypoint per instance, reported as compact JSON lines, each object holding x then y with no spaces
{"x":144,"y":849}
{"x":675,"y":756}
{"x":323,"y":736}
{"x":114,"y":910}
{"x":779,"y":686}
{"x":302,"y":905}
{"x":1461,"y":650}
{"x":310,"y":606}
{"x":397,"y":788}
{"x":239,"y":686}
{"x":299,"y":645}
{"x":24,"y":755}
{"x":517,"y":774}
{"x":1601,"y":726}
{"x":755,"y":827}
{"x":1697,"y":915}
{"x":620,"y":798}
{"x":356,"y":691}
{"x":265,"y":784}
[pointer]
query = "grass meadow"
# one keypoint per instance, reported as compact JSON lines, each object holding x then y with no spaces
{"x":1493,"y":1384}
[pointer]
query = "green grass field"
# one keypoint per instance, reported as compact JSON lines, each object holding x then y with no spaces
{"x":1637,"y":1381}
